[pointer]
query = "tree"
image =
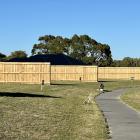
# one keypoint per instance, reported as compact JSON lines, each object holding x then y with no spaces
{"x":51,"y":44}
{"x":2,"y":56}
{"x":102,"y":54}
{"x":78,"y":49}
{"x":127,"y":62}
{"x":18,"y":54}
{"x":81,"y":47}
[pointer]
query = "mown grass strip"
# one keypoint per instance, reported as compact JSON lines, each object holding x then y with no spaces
{"x":58,"y":112}
{"x":132,"y":98}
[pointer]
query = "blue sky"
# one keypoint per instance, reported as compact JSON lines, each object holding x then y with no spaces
{"x":113,"y":22}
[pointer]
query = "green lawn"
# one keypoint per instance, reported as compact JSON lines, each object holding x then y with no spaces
{"x":57,"y":113}
{"x":132,"y":98}
{"x":112,"y":85}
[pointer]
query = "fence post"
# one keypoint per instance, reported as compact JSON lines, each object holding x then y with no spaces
{"x":42,"y":85}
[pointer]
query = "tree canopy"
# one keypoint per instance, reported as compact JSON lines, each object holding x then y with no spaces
{"x":127,"y":62}
{"x":81,"y":47}
{"x":2,"y":56}
{"x":17,"y":54}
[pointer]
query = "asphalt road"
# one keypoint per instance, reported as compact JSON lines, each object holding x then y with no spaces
{"x":124,"y":123}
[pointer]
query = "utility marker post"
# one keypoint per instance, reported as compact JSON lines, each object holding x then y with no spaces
{"x":42,"y":85}
{"x":80,"y":79}
{"x":132,"y":82}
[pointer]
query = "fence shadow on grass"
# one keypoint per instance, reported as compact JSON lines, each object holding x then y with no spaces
{"x":19,"y":94}
{"x":104,"y":81}
{"x":63,"y":84}
{"x":107,"y":90}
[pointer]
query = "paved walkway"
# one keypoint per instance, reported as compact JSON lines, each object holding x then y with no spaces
{"x":123,"y":122}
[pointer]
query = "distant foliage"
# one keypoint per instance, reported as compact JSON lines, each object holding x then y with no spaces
{"x":2,"y":57}
{"x":17,"y":54}
{"x":81,"y":47}
{"x":127,"y":62}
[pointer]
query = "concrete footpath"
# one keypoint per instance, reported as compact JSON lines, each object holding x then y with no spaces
{"x":123,"y":122}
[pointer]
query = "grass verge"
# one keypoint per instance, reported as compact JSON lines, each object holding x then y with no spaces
{"x":57,"y":113}
{"x":132,"y":98}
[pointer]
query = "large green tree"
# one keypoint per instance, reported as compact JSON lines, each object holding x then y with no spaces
{"x":51,"y":44}
{"x":81,"y":47}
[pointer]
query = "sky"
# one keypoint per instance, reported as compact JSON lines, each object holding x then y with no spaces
{"x":112,"y":22}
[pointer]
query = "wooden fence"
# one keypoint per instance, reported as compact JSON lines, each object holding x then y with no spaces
{"x":118,"y":73}
{"x":74,"y":73}
{"x":32,"y":73}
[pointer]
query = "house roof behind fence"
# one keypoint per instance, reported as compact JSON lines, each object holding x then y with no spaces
{"x":54,"y":59}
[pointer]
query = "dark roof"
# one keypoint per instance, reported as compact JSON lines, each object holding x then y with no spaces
{"x":18,"y":60}
{"x":54,"y":59}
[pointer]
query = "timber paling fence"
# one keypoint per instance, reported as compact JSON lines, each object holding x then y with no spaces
{"x":74,"y":73}
{"x":118,"y":73}
{"x":34,"y":73}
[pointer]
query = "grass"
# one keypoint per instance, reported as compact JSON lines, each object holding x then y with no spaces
{"x":112,"y":85}
{"x":57,"y":113}
{"x":132,"y":98}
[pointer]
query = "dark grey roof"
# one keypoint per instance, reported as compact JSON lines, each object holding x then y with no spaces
{"x":54,"y":59}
